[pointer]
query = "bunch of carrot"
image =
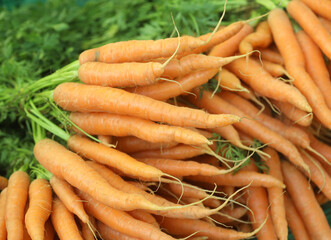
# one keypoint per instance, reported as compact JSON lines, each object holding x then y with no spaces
{"x":152,"y":170}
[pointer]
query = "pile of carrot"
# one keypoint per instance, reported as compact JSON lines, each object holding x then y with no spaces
{"x":154,"y":169}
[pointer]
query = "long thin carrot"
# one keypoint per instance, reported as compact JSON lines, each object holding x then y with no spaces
{"x":289,"y":47}
{"x":253,"y":128}
{"x":276,"y":196}
{"x":17,"y":194}
{"x":321,"y":7}
{"x":108,"y":233}
{"x":110,"y":217}
{"x":260,"y":38}
{"x":72,"y":168}
{"x":304,"y":200}
{"x":315,"y":65}
{"x":294,"y":220}
{"x":231,"y":45}
{"x":119,"y":125}
{"x":86,"y":98}
{"x":64,"y":222}
{"x":3,"y":231}
{"x":40,"y":207}
{"x":3,"y":182}
{"x":251,"y":72}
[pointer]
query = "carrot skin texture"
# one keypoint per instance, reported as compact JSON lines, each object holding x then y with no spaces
{"x":108,"y":233}
{"x":49,"y":230}
{"x":145,"y":217}
{"x":88,"y":98}
{"x":119,"y":125}
{"x":304,"y":200}
{"x":3,"y":183}
{"x":310,"y":23}
{"x":321,"y":7}
{"x":40,"y":207}
{"x":17,"y":194}
{"x":294,"y":220}
{"x":72,"y":168}
{"x":68,"y":229}
{"x":110,"y":216}
{"x":3,"y":231}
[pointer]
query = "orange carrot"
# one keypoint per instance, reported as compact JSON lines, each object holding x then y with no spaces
{"x":134,"y":144}
{"x":3,"y":183}
{"x":229,"y":81}
{"x":304,"y":200}
{"x":139,"y":50}
{"x":231,"y":45}
{"x":230,"y":214}
{"x":49,"y":230}
{"x":294,"y":220}
{"x":253,"y":128}
{"x":145,"y":217}
{"x":276,"y":196}
{"x":315,"y":65}
{"x":87,"y":232}
{"x":270,"y":55}
{"x":40,"y":207}
{"x":320,"y":147}
{"x":119,"y":125}
{"x":321,"y":7}
{"x":251,"y":72}
{"x":3,"y":231}
{"x":17,"y":194}
{"x":87,"y":98}
{"x":108,"y":233}
{"x":295,"y":64}
{"x":72,"y":168}
{"x":64,"y":221}
{"x":326,"y":24}
{"x":260,"y":38}
{"x":110,"y":216}
{"x":257,"y":201}
{"x":275,"y":69}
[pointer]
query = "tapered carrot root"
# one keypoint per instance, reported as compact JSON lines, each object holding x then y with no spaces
{"x":40,"y":207}
{"x":17,"y":195}
{"x":230,"y":81}
{"x":3,"y":182}
{"x":119,"y":125}
{"x":87,"y":98}
{"x":140,"y":50}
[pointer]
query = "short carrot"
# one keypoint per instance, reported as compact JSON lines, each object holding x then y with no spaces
{"x":321,"y":7}
{"x":40,"y":207}
{"x":260,"y":38}
{"x":3,"y":231}
{"x":294,"y":220}
{"x":87,"y":98}
{"x":17,"y":194}
{"x":120,"y":125}
{"x":304,"y":200}
{"x":3,"y":183}
{"x":64,"y":222}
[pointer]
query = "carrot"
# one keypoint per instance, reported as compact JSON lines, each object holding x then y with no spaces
{"x":315,"y":65}
{"x":108,"y":233}
{"x":87,"y":232}
{"x":3,"y":183}
{"x":304,"y":200}
{"x":87,"y":98}
{"x":119,"y":125}
{"x":145,"y":217}
{"x":3,"y":231}
{"x":66,"y":194}
{"x":134,"y":144}
{"x":294,"y":220}
{"x":49,"y":230}
{"x":72,"y":168}
{"x":326,"y":24}
{"x":260,"y":38}
{"x":110,"y":216}
{"x":241,"y":178}
{"x":270,"y":55}
{"x":64,"y":222}
{"x":310,"y":23}
{"x":139,"y":50}
{"x":276,"y":196}
{"x":293,"y":113}
{"x":112,"y":157}
{"x":253,"y":128}
{"x":229,"y":81}
{"x":40,"y":207}
{"x":275,"y":69}
{"x":231,"y":45}
{"x":257,"y":201}
{"x":185,"y":227}
{"x":165,"y":90}
{"x":321,"y":7}
{"x":251,"y":72}
{"x":17,"y":194}
{"x":230,"y":214}
{"x":321,"y":198}
{"x":320,"y":147}
{"x":295,"y":63}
